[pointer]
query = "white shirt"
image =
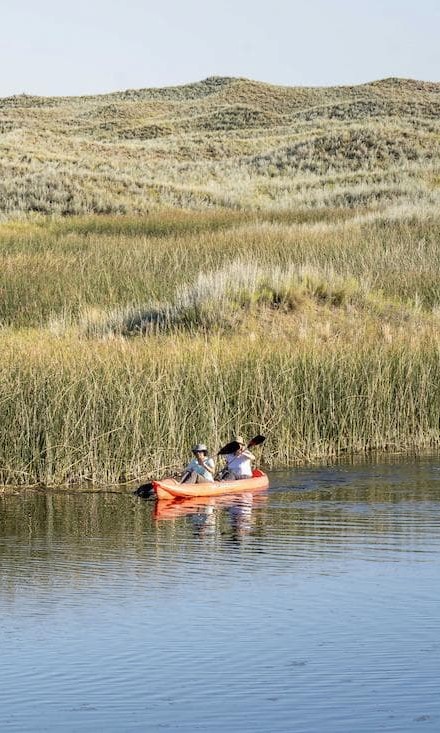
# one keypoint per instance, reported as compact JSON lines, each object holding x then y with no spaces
{"x":240,"y":464}
{"x":194,"y":465}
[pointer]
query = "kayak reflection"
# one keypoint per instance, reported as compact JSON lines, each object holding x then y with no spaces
{"x":205,"y":512}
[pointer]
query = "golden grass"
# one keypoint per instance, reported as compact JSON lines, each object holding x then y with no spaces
{"x":62,"y":269}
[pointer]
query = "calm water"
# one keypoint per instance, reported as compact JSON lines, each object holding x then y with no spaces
{"x":312,"y":608}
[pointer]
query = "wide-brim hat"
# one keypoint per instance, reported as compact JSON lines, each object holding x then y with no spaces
{"x":239,"y":439}
{"x":199,"y":448}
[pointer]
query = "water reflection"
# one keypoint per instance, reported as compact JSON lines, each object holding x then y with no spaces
{"x":318,"y":507}
{"x":205,"y":513}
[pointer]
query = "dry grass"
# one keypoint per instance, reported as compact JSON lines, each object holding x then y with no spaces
{"x":62,"y":269}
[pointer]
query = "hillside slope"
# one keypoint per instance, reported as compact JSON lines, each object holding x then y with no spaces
{"x":222,"y":142}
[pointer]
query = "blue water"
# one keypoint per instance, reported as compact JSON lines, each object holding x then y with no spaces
{"x":312,"y":608}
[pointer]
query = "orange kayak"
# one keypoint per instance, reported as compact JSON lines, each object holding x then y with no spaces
{"x":169,"y":488}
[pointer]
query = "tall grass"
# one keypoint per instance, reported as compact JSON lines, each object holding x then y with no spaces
{"x":108,"y":412}
{"x":59,"y":269}
{"x":124,"y":341}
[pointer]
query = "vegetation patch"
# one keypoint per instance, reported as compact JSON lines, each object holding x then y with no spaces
{"x":207,"y":145}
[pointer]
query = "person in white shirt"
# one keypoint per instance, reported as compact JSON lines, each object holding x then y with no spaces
{"x":201,"y":468}
{"x":238,"y":464}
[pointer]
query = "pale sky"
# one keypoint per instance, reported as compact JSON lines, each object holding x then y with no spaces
{"x":65,"y":47}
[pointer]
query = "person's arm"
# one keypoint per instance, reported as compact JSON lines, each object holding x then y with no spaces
{"x":203,"y":462}
{"x":249,"y":455}
{"x":210,"y":466}
{"x":186,"y":472}
{"x":206,"y":463}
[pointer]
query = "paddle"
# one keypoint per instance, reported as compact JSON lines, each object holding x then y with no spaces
{"x":234,"y":446}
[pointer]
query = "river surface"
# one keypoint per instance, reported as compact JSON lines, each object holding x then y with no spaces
{"x":311,"y":608}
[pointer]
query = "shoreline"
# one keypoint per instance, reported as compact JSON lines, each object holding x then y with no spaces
{"x":371,"y":457}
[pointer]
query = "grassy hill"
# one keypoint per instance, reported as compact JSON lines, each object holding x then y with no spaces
{"x":222,"y":142}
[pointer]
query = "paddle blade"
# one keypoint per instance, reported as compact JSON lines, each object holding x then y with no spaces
{"x":145,"y":491}
{"x":258,"y":440}
{"x":229,"y":448}
{"x":234,"y":446}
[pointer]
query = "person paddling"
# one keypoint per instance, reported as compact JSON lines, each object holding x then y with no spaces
{"x":201,"y":468}
{"x":239,"y":463}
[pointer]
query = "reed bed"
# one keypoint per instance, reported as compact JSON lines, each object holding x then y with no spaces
{"x":114,"y":411}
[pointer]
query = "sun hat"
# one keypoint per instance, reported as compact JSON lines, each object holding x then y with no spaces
{"x":199,"y":448}
{"x":239,"y":439}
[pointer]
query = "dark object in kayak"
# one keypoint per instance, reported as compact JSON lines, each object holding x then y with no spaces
{"x":145,"y":491}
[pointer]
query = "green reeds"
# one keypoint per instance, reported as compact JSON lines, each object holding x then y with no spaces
{"x":109,"y":412}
